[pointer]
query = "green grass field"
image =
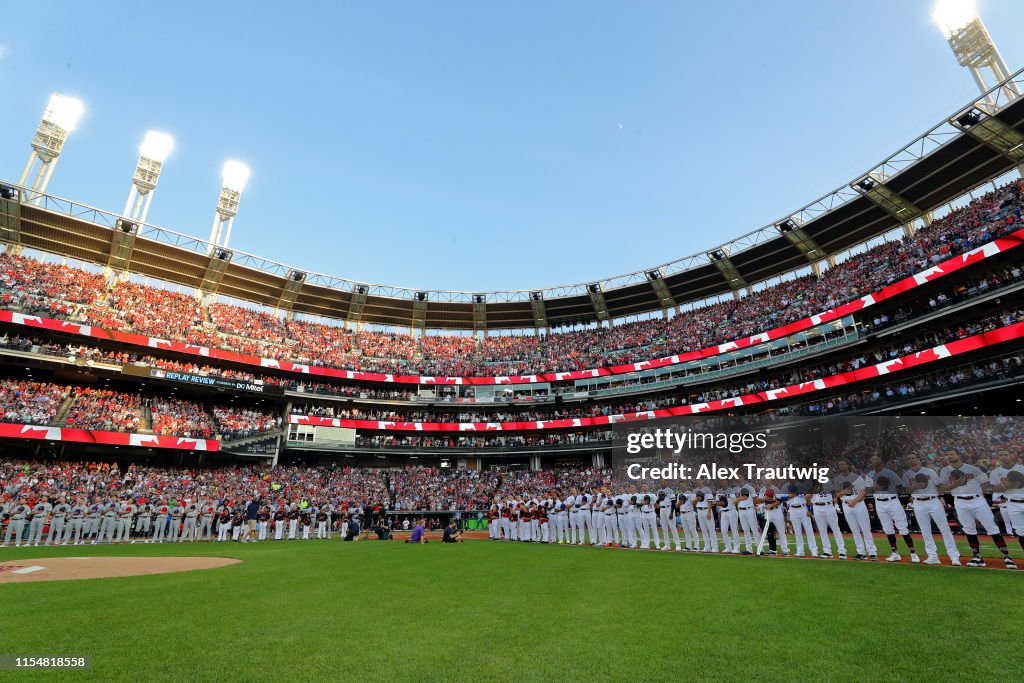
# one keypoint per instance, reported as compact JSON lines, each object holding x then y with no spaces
{"x":485,"y":611}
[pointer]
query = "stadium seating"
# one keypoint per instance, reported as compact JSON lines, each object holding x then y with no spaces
{"x":71,"y":293}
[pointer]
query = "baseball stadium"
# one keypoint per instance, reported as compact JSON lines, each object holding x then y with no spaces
{"x":216,"y":465}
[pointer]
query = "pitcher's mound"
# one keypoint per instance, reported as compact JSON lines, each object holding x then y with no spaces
{"x":63,"y":568}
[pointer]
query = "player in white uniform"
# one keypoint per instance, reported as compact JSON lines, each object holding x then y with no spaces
{"x":965,"y":482}
{"x":573,"y":506}
{"x":633,"y":517}
{"x":666,"y":506}
{"x":705,"y":512}
{"x":648,"y":522}
{"x":688,"y":520}
{"x":775,"y":519}
{"x":798,"y":504}
{"x":921,"y":482}
{"x":727,"y":518}
{"x":1011,"y":485}
{"x":826,"y":518}
{"x":746,"y":499}
{"x":889,"y":508}
{"x":561,"y":520}
{"x":852,"y":490}
{"x":999,"y":497}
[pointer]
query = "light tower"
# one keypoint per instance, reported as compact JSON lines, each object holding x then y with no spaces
{"x":972,"y":45}
{"x":235,"y":175}
{"x":155,"y":148}
{"x":60,"y":118}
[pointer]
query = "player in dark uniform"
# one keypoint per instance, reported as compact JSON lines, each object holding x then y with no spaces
{"x":280,"y":521}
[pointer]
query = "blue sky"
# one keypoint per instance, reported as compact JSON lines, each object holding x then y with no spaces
{"x":481,"y":146}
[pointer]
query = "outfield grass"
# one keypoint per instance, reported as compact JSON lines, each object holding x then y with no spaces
{"x":485,"y":611}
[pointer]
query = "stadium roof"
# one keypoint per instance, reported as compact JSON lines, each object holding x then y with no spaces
{"x":952,"y":158}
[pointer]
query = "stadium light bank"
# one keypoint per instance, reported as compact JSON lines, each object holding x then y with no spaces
{"x":235,"y":176}
{"x":154,"y":151}
{"x":60,"y":118}
{"x":972,"y":45}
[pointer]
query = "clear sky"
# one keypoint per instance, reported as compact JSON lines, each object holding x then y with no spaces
{"x":483,"y":145}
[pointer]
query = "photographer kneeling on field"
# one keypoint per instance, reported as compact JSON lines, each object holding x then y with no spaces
{"x":452,"y":534}
{"x":353,"y":530}
{"x":419,"y":534}
{"x":383,"y":529}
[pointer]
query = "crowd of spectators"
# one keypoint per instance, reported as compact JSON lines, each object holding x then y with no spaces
{"x":342,"y":486}
{"x":146,"y":310}
{"x":173,"y":417}
{"x":63,"y":291}
{"x":425,"y":488}
{"x":241,"y":423}
{"x":27,"y":402}
{"x":103,"y":409}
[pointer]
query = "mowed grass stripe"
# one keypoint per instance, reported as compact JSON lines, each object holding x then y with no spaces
{"x":503,"y":611}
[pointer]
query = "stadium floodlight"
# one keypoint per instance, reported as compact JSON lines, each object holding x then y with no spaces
{"x":953,"y":15}
{"x":60,"y":118}
{"x":234,"y":177}
{"x":155,"y":149}
{"x":972,"y":45}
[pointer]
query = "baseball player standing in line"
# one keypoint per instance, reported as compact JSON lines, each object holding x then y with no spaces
{"x":583,"y":519}
{"x":775,"y":517}
{"x":727,"y":518}
{"x":108,"y":527}
{"x":648,"y":523}
{"x":666,"y":504}
{"x":634,"y":517}
{"x":573,"y":506}
{"x":177,"y":512}
{"x":191,"y":516}
{"x":321,"y":523}
{"x":40,"y":511}
{"x":688,"y":520}
{"x":224,"y":524}
{"x":561,"y":517}
{"x":889,"y":509}
{"x":1011,"y":485}
{"x":160,"y":513}
{"x":921,"y":482}
{"x":124,"y":520}
{"x":706,"y":518}
{"x":144,"y":521}
{"x":57,"y":519}
{"x":823,"y":506}
{"x":746,"y":497}
{"x":995,"y":478}
{"x":608,"y":524}
{"x":16,"y":523}
{"x":206,"y":521}
{"x":92,"y":522}
{"x":798,"y":503}
{"x":263,"y":519}
{"x":293,"y":521}
{"x":596,"y":517}
{"x":852,"y":488}
{"x":279,"y":522}
{"x":965,"y":482}
{"x":73,"y":529}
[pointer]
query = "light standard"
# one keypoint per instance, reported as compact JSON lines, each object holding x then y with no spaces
{"x":155,"y":148}
{"x":972,"y":45}
{"x":60,"y":118}
{"x":235,"y":175}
